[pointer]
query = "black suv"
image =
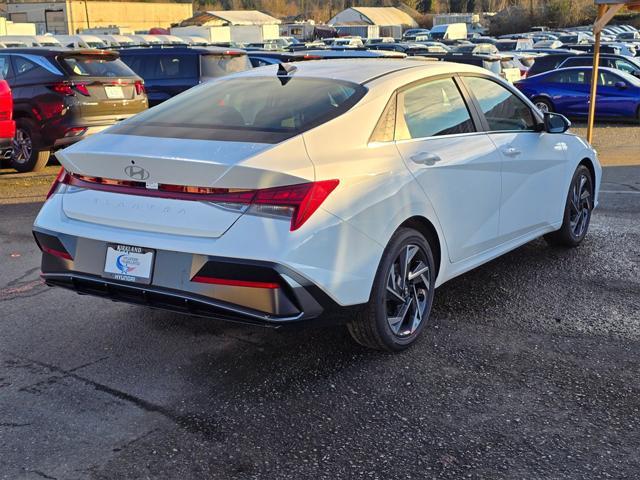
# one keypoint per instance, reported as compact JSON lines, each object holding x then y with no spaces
{"x":61,"y":96}
{"x":552,"y":62}
{"x":172,"y":70}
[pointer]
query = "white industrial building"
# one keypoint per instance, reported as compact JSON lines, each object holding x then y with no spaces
{"x":246,"y":26}
{"x":390,"y":21}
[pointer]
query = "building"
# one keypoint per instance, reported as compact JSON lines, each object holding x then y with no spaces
{"x":391,"y":21}
{"x":67,"y":17}
{"x":472,"y":20}
{"x":7,"y":27}
{"x":245,"y":26}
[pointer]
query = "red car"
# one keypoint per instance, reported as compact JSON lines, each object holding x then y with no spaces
{"x":7,"y":125}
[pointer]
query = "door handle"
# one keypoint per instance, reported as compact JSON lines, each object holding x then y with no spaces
{"x":511,"y":152}
{"x":425,"y":158}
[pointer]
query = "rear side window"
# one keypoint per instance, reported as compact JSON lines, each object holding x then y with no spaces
{"x":96,"y":66}
{"x":250,"y":109}
{"x":503,"y":110}
{"x":579,"y":62}
{"x":5,"y":66}
{"x":22,"y":65}
{"x":220,"y":65}
{"x":433,"y":109}
{"x":568,"y":76}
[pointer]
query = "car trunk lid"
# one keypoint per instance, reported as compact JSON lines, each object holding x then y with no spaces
{"x":170,"y":164}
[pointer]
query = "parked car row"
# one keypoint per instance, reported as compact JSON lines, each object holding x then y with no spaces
{"x":62,"y":95}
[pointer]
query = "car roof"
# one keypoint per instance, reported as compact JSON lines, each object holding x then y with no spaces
{"x":168,"y":49}
{"x":362,"y":70}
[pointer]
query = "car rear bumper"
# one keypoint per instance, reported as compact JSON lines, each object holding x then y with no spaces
{"x":69,"y":130}
{"x":77,"y":263}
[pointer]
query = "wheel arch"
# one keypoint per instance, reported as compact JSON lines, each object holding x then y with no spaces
{"x":587,"y":162}
{"x":428,"y":230}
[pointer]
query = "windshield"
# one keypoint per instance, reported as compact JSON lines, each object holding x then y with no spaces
{"x":247,"y":109}
{"x":97,"y":66}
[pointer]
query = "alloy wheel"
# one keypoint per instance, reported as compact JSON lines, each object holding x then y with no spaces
{"x":22,"y":146}
{"x":580,"y":205}
{"x":407,"y":293}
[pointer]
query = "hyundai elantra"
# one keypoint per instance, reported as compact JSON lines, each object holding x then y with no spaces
{"x":342,"y":190}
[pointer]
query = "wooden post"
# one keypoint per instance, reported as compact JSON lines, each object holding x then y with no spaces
{"x":602,"y":9}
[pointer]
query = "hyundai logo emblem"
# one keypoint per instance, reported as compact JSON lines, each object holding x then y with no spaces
{"x":136,"y":172}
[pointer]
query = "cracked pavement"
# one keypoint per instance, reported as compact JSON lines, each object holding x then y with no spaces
{"x":528,"y":369}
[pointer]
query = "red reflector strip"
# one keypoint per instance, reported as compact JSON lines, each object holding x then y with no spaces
{"x":56,"y":253}
{"x":234,"y":283}
{"x":176,"y":192}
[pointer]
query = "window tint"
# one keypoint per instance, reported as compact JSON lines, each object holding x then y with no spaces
{"x":22,"y":65}
{"x":608,"y":79}
{"x":578,"y":62}
{"x":569,"y":76}
{"x":260,"y":109}
{"x":625,"y":66}
{"x":5,"y":66}
{"x":432,"y":109}
{"x":220,"y":65}
{"x":177,"y":66}
{"x":504,"y":111}
{"x":98,"y":66}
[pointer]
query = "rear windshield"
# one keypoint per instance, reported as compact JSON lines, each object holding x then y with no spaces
{"x":221,"y":65}
{"x":506,"y":46}
{"x":250,"y":109}
{"x":96,"y":66}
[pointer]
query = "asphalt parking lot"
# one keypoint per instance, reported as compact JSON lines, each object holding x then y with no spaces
{"x":529,"y":369}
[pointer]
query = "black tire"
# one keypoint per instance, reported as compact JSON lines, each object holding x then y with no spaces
{"x":372,"y":327}
{"x":577,"y":211}
{"x":28,"y":154}
{"x":543,"y":105}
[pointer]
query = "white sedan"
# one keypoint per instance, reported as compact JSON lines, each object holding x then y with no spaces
{"x":345,"y":190}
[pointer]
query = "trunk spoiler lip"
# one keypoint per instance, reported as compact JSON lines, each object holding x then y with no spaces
{"x":107,"y":54}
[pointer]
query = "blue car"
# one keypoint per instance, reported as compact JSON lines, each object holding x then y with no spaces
{"x":566,"y":91}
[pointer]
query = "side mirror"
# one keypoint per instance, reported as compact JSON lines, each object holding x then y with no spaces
{"x":556,"y":123}
{"x":621,"y":85}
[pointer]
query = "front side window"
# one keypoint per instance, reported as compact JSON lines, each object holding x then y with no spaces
{"x":608,"y":79}
{"x":433,"y":109}
{"x":503,"y":110}
{"x":625,"y":66}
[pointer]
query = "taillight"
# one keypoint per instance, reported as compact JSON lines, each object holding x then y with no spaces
{"x":139,"y":85}
{"x":70,"y":89}
{"x":59,"y":180}
{"x":296,"y":201}
{"x":62,"y":88}
{"x":82,"y":88}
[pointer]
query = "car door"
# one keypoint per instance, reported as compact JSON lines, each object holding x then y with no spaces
{"x":456,"y":164}
{"x":534,"y":165}
{"x":613,"y":97}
